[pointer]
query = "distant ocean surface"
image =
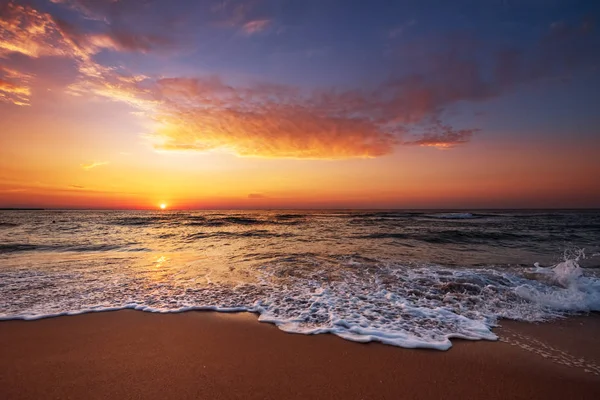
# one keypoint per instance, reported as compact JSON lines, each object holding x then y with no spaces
{"x":410,"y":279}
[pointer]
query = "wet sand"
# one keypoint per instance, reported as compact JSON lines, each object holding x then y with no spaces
{"x":204,"y":355}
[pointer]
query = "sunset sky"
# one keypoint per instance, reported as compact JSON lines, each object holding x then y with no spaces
{"x":299,"y":103}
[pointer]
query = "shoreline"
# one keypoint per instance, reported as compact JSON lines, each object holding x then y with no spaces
{"x":204,"y":354}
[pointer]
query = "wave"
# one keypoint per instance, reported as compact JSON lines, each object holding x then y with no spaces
{"x":282,"y":219}
{"x":8,"y":225}
{"x":385,"y":235}
{"x":257,"y":233}
{"x":16,"y":247}
{"x":138,"y":221}
{"x":204,"y":223}
{"x":452,"y":216}
{"x":26,"y":247}
{"x":241,"y":220}
{"x":361,"y":299}
{"x":461,"y":237}
{"x":287,"y":217}
{"x":209,"y":221}
{"x":449,"y":236}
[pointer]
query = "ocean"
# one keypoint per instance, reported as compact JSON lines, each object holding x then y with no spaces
{"x":413,"y":279}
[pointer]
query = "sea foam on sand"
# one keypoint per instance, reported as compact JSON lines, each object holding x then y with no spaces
{"x":401,"y":305}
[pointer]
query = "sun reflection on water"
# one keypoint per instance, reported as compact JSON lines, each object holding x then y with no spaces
{"x":160,"y":261}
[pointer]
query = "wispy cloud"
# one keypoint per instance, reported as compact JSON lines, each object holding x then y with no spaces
{"x":27,"y":31}
{"x":256,"y":26}
{"x":442,"y":136}
{"x":233,"y":13}
{"x":94,"y":164}
{"x":14,"y":86}
{"x":91,"y":9}
{"x":106,"y":11}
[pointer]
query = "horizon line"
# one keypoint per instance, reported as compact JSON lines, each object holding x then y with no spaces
{"x":307,"y":209}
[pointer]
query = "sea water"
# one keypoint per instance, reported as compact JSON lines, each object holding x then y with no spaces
{"x":404,"y":278}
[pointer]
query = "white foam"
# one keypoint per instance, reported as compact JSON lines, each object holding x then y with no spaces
{"x":400,"y":305}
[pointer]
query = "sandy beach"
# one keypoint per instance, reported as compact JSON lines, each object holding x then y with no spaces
{"x":204,"y":355}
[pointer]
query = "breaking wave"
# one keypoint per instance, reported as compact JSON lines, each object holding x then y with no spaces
{"x":356,"y":298}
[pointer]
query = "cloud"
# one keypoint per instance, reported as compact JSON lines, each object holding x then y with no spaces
{"x":94,"y":164}
{"x":202,"y":114}
{"x":233,"y":13}
{"x":282,"y":121}
{"x":14,"y":86}
{"x":29,"y":32}
{"x":265,"y":121}
{"x":101,"y":10}
{"x":128,"y":42}
{"x":112,"y":38}
{"x":442,"y":136}
{"x":256,"y":26}
{"x":24,"y":30}
{"x":258,"y":119}
{"x":91,"y":9}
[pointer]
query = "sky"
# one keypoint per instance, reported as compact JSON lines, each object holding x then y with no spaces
{"x":242,"y":104}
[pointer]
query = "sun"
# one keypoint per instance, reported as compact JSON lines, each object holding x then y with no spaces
{"x":163,"y":206}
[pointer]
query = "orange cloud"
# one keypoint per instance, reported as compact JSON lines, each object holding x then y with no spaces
{"x":94,"y":164}
{"x":127,"y":41}
{"x":277,"y":121}
{"x":265,"y":121}
{"x":442,"y":136}
{"x":256,"y":26}
{"x":14,"y":86}
{"x":27,"y":31}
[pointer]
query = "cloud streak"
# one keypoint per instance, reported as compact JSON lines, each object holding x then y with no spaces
{"x":256,"y":26}
{"x":93,"y":165}
{"x":442,"y":136}
{"x":14,"y":86}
